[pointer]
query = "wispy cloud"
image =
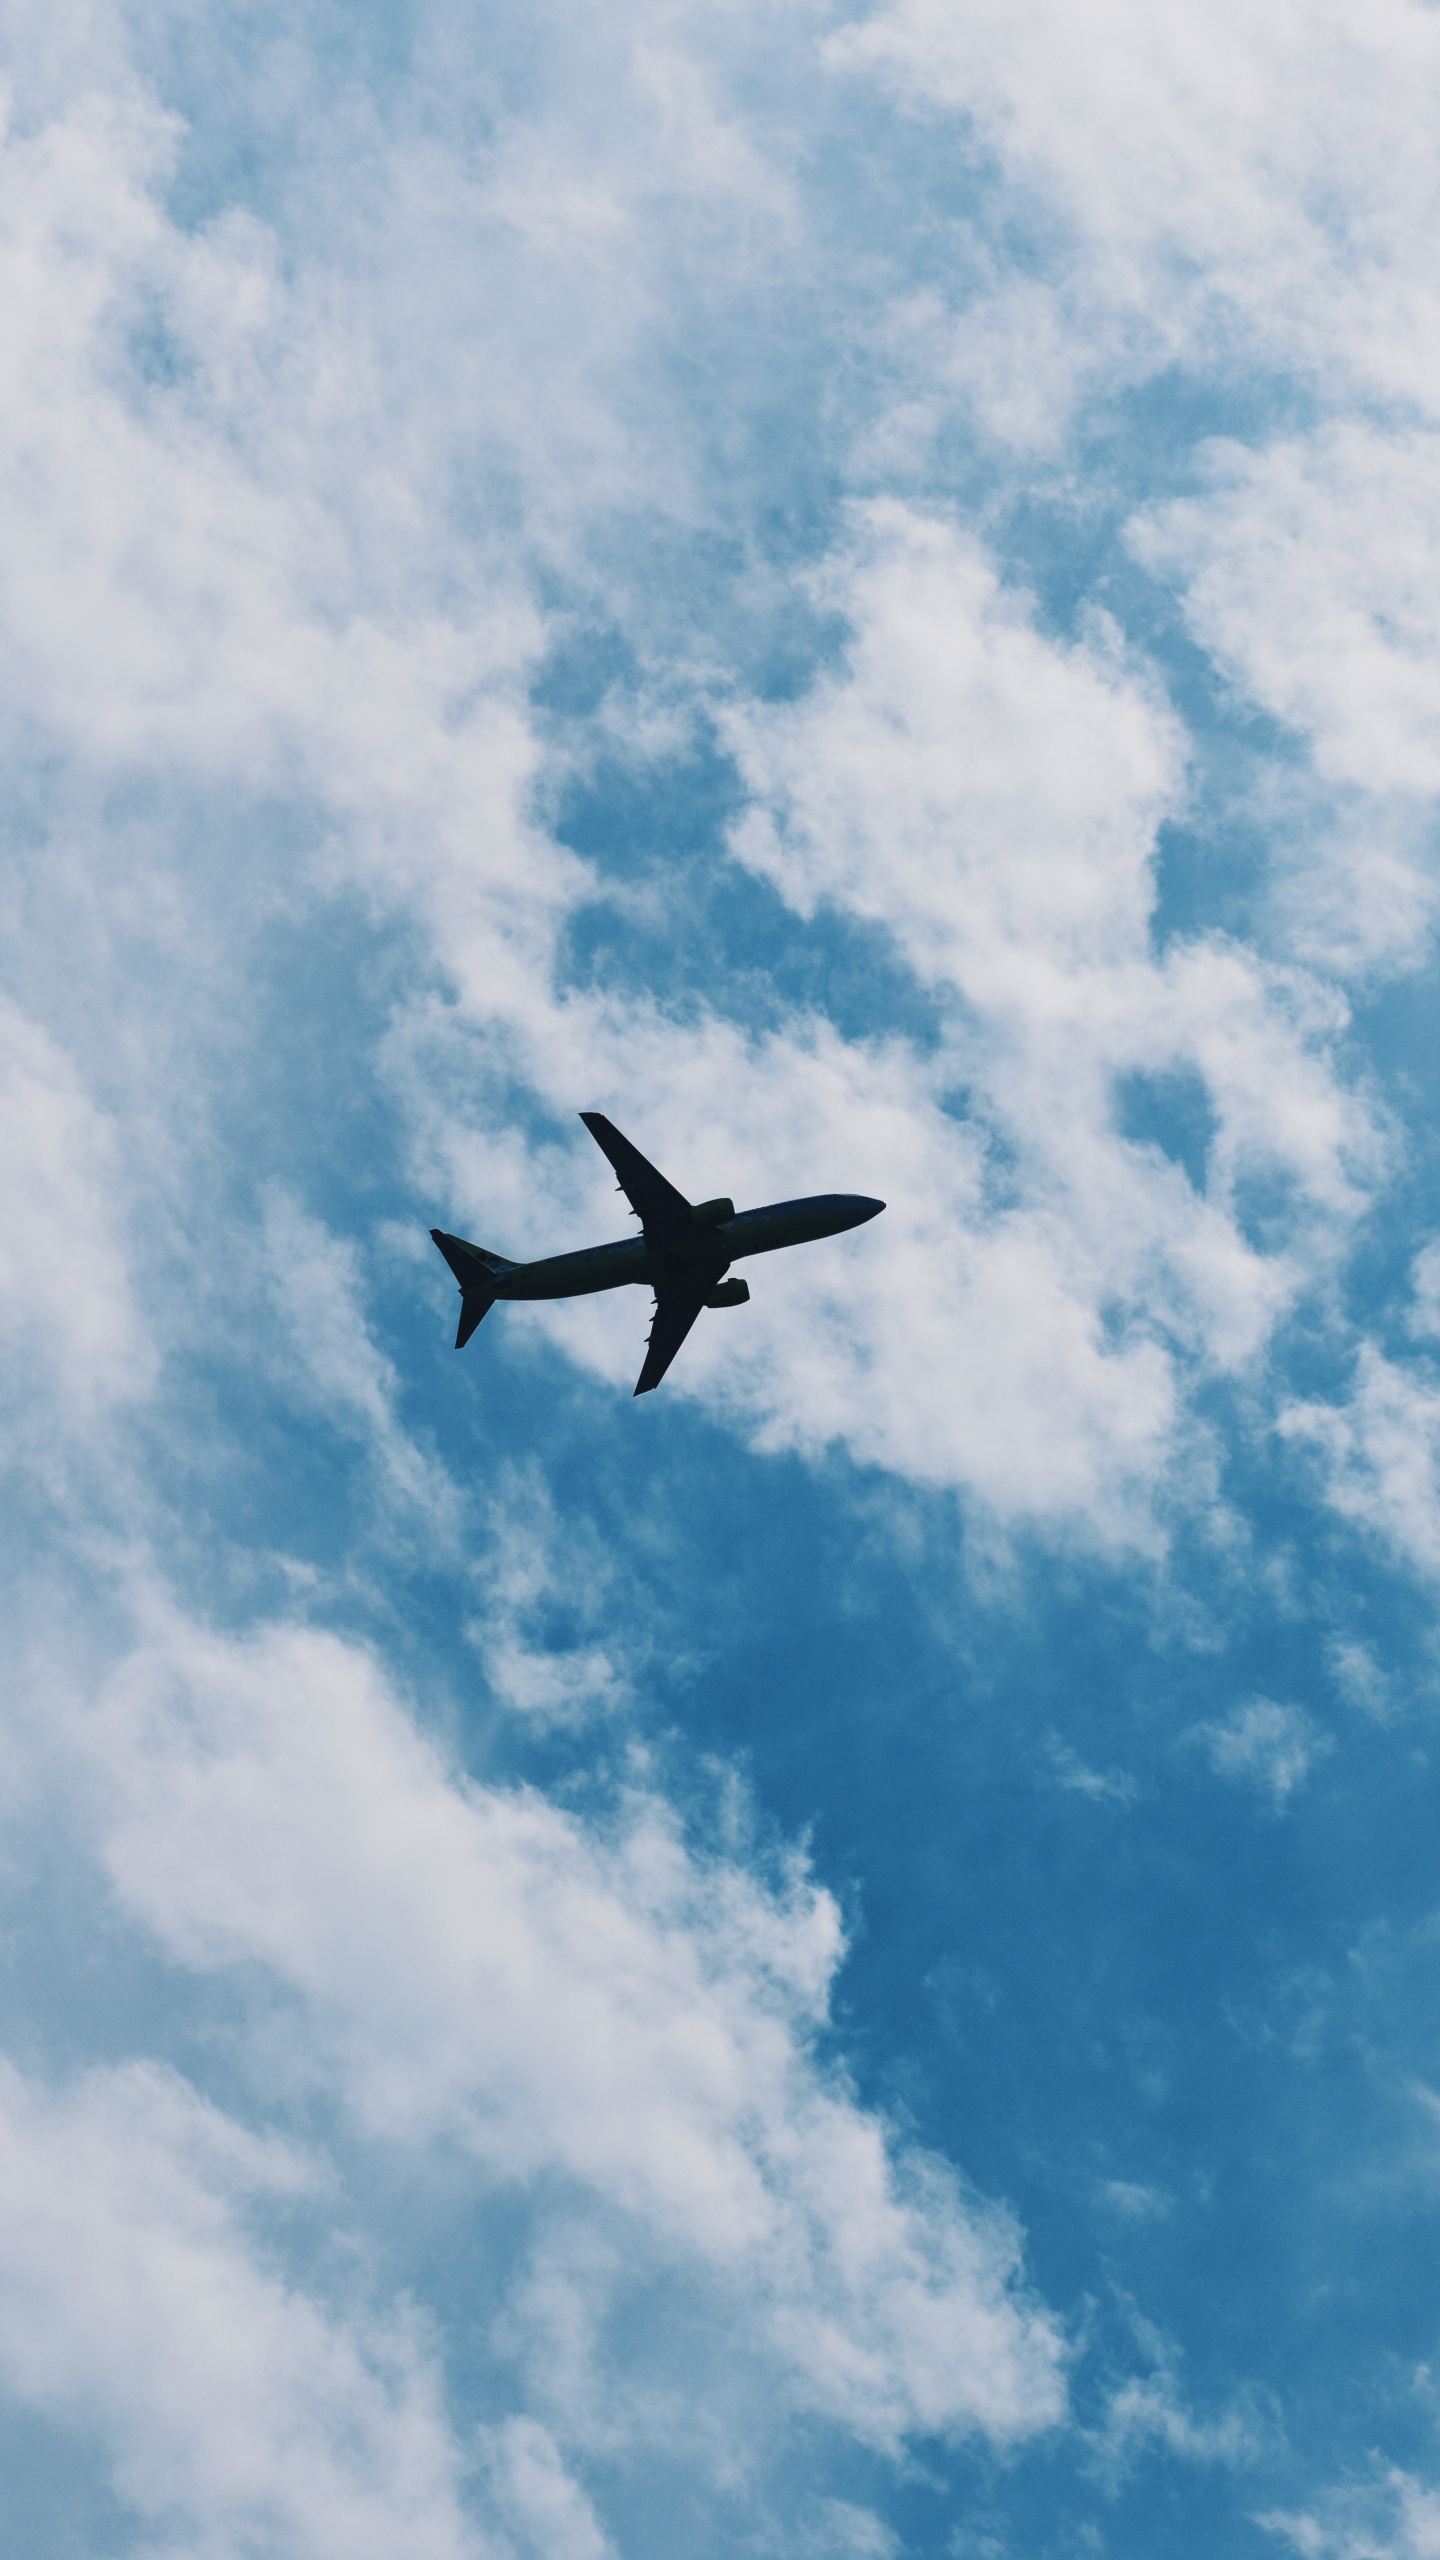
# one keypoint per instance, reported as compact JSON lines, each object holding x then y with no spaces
{"x":1067,"y":1769}
{"x":1393,"y":2517}
{"x":1266,"y":1746}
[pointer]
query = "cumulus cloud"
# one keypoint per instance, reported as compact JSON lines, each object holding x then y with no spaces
{"x":1209,"y":184}
{"x":992,"y":797}
{"x":1309,"y":571}
{"x":168,"y":596}
{"x":1380,"y":1451}
{"x":988,"y":794}
{"x":1243,"y":203}
{"x":141,"y":2308}
{"x":589,"y":2009}
{"x":597,"y":2005}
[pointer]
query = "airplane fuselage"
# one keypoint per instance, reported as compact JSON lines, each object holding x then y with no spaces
{"x":710,"y":1248}
{"x":682,"y":1252}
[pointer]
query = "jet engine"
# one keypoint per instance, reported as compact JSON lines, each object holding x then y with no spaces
{"x":730,"y":1293}
{"x":712,"y":1213}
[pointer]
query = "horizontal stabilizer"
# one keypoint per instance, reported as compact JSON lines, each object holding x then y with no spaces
{"x":477,"y":1272}
{"x":473,"y":1311}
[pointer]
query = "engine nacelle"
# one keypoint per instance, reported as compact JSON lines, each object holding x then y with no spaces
{"x":712,"y":1213}
{"x":731,"y":1293}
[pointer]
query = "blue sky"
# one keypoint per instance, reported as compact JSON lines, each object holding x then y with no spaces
{"x":844,"y":1961}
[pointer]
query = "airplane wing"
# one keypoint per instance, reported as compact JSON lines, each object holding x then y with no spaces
{"x":675,"y":1312}
{"x":656,"y":1202}
{"x":660,"y":1209}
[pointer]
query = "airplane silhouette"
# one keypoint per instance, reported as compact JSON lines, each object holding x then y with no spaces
{"x":682,"y":1252}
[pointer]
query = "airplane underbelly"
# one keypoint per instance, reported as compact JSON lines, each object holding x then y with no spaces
{"x":575,"y":1275}
{"x":771,"y":1235}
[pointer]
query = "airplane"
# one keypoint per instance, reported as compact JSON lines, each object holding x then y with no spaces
{"x":682,"y":1252}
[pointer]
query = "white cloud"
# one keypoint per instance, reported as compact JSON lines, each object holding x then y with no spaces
{"x":184,"y":593}
{"x":1310,"y":572}
{"x":841,"y":2531}
{"x":1021,"y":780}
{"x":1225,"y":183}
{"x":1361,"y":1679}
{"x":1130,"y":2201}
{"x":599,"y":2006}
{"x":536,"y":2497}
{"x":1066,"y":1769}
{"x":992,"y":797}
{"x":1393,"y":2518}
{"x":1236,"y":198}
{"x":69,"y":1323}
{"x":216,"y":602}
{"x":998,"y":1378}
{"x":1381,"y":1455}
{"x":140,"y":2310}
{"x":1152,"y":2409}
{"x":1266,"y":1746}
{"x":272,"y":510}
{"x":201,"y":597}
{"x":316,"y":1289}
{"x":536,"y":1567}
{"x":316,"y":1285}
{"x":1424,"y":1316}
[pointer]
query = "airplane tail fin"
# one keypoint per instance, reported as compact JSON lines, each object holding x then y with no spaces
{"x":478,"y":1272}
